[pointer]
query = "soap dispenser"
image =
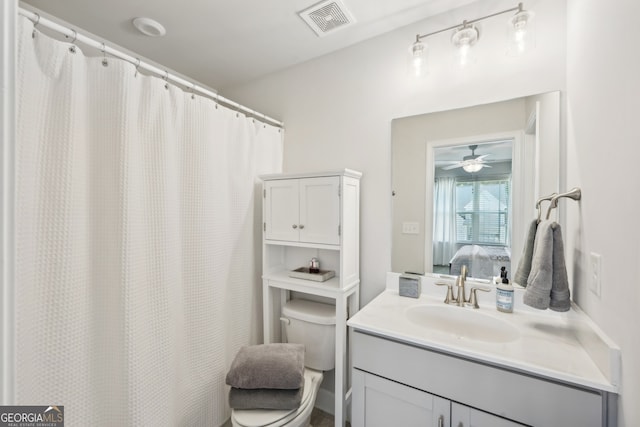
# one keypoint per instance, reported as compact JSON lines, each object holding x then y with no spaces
{"x":504,"y":293}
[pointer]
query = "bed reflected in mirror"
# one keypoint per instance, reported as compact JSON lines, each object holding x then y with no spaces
{"x":472,"y":208}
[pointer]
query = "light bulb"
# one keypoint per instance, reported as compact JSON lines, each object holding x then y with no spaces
{"x":463,"y":52}
{"x":463,"y":39}
{"x":418,"y":54}
{"x":472,"y":167}
{"x":521,"y":32}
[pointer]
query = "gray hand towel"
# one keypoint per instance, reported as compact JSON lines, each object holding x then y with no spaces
{"x":548,"y":285}
{"x":524,"y":265}
{"x":560,"y":296}
{"x":279,"y":366}
{"x":262,"y":398}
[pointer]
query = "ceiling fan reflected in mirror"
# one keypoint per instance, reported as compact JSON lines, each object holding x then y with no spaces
{"x":471,"y":163}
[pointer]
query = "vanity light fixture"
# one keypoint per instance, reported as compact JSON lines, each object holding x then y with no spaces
{"x":466,"y":35}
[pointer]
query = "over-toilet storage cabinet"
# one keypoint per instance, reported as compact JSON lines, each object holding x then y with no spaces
{"x":313,"y":215}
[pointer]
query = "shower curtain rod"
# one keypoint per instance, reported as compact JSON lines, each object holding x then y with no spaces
{"x":139,"y":64}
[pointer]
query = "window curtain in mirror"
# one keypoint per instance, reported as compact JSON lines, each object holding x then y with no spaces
{"x":444,"y":220}
{"x":138,"y":240}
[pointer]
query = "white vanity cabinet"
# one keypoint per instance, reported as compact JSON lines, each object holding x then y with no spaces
{"x":429,"y":388}
{"x":303,"y":210}
{"x":313,"y":215}
{"x":379,"y":402}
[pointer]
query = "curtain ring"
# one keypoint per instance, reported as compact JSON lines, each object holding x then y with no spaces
{"x":35,"y":24}
{"x":137,"y":66}
{"x":193,"y":89}
{"x":217,"y":100}
{"x":105,"y":63}
{"x":72,"y":48}
{"x":75,"y":36}
{"x":166,"y":79}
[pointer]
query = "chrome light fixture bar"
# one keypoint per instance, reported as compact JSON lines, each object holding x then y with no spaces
{"x":466,"y":35}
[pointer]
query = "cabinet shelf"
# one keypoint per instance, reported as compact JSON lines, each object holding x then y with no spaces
{"x":302,"y":245}
{"x":305,"y":216}
{"x":329,"y":288}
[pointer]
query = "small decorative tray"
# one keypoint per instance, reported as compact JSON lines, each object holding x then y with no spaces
{"x":303,"y":273}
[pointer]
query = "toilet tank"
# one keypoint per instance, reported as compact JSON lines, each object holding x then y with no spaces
{"x":314,"y":325}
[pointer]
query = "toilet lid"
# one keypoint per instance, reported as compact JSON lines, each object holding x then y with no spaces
{"x":268,"y":417}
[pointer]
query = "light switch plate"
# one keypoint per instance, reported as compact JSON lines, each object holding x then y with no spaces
{"x":410,"y":228}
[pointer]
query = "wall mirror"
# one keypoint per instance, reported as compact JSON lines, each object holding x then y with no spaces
{"x":465,"y":182}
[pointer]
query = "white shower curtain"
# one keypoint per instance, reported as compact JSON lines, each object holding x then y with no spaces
{"x":138,"y":240}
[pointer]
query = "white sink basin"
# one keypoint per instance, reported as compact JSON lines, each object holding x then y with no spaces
{"x":463,"y":323}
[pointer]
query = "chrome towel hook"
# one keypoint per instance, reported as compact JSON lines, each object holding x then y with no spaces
{"x":539,"y":207}
{"x":575,"y":194}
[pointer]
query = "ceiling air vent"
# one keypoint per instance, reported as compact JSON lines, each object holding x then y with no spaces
{"x":327,"y":16}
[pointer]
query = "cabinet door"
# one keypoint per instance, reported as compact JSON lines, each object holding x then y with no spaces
{"x":320,"y":210}
{"x":464,"y":416}
{"x":378,"y":402}
{"x":281,"y":211}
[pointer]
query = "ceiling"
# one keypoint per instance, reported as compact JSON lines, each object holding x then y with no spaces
{"x":227,"y":43}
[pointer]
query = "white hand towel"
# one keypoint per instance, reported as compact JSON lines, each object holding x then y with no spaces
{"x":548,"y":284}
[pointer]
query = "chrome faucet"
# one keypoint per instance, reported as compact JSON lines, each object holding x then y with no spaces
{"x":462,"y":297}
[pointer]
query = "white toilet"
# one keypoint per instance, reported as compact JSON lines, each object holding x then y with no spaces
{"x":314,"y":325}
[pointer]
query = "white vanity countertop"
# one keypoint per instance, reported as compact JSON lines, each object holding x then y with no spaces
{"x":562,"y":346}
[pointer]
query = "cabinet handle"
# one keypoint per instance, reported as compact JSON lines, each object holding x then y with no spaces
{"x":295,"y":226}
{"x":301,"y":226}
{"x":441,"y":421}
